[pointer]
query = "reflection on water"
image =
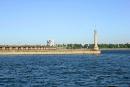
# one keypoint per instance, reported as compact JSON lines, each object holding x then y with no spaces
{"x":105,"y":70}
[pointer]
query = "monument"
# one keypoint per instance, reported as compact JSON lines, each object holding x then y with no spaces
{"x":95,"y":41}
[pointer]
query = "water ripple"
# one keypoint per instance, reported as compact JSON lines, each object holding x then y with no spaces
{"x":106,"y":70}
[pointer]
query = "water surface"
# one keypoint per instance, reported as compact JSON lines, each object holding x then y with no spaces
{"x":111,"y":68}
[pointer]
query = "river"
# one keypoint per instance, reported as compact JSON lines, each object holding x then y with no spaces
{"x":110,"y":69}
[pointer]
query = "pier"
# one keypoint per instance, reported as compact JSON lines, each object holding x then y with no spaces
{"x":48,"y":49}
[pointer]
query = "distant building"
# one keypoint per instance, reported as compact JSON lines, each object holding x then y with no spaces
{"x":128,"y":43}
{"x":50,"y":43}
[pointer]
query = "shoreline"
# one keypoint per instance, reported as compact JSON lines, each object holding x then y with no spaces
{"x":102,"y":49}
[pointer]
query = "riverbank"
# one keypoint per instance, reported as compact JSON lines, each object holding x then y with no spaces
{"x":115,"y":49}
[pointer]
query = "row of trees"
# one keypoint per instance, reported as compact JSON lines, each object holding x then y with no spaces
{"x":114,"y":45}
{"x":80,"y":46}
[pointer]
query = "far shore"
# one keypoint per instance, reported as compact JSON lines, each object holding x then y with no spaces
{"x":115,"y":49}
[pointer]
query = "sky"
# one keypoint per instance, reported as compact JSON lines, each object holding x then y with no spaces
{"x":65,"y":21}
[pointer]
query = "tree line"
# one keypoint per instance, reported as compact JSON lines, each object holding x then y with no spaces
{"x":81,"y":46}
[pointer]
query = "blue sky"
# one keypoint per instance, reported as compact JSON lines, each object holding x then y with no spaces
{"x":65,"y":21}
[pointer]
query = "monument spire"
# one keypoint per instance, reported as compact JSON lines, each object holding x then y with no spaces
{"x":95,"y":41}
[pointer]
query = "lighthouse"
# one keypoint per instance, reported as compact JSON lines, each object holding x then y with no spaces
{"x":95,"y":41}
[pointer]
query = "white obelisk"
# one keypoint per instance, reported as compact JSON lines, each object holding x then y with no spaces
{"x":95,"y":41}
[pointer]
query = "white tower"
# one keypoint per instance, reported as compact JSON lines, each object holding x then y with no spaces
{"x":95,"y":41}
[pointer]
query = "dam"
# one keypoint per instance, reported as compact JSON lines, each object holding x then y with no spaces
{"x":48,"y":49}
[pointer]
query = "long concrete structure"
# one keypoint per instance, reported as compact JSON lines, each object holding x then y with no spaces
{"x":25,"y":47}
{"x":39,"y":49}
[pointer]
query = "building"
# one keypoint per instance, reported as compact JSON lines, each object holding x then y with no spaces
{"x":50,"y":43}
